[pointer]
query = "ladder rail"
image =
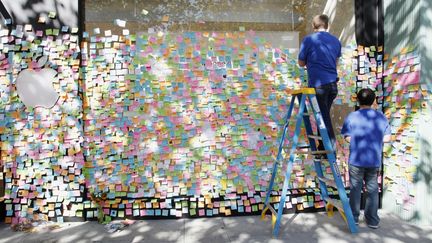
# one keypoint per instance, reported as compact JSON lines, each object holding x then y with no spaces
{"x":281,"y":143}
{"x":328,"y":145}
{"x":295,"y":138}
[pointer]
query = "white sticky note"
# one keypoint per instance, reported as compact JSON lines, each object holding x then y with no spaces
{"x":119,"y":22}
{"x":28,"y":27}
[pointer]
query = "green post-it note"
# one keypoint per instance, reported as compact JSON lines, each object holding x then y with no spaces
{"x":52,"y":15}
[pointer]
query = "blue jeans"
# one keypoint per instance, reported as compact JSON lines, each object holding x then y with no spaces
{"x":325,"y":95}
{"x":370,"y":177}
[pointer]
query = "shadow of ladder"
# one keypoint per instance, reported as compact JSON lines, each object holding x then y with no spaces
{"x":306,"y":98}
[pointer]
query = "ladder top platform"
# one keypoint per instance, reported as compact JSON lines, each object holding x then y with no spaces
{"x":302,"y":91}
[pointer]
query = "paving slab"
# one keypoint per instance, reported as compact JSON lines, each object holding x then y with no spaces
{"x":303,"y":227}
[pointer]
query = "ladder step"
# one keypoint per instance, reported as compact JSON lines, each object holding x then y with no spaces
{"x":303,"y":146}
{"x":320,"y":160}
{"x":315,"y":137}
{"x":314,"y":152}
{"x":334,"y":202}
{"x":327,"y":181}
{"x":321,"y":152}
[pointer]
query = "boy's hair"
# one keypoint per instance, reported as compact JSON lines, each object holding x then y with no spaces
{"x":320,"y":21}
{"x":366,"y":97}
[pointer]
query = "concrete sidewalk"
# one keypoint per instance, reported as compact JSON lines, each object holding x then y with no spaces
{"x":304,"y":227}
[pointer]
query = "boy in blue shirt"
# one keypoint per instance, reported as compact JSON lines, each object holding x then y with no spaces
{"x":365,"y":129}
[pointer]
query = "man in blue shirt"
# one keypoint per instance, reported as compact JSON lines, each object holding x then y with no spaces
{"x":365,"y":129}
{"x":320,"y":52}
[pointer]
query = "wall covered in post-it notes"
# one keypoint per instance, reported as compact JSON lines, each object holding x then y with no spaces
{"x":174,"y":118}
{"x":41,"y":153}
{"x":408,"y":84}
{"x":407,"y":158}
{"x":169,"y":125}
{"x":189,"y":123}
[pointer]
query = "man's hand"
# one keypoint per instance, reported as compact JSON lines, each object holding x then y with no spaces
{"x":301,"y":63}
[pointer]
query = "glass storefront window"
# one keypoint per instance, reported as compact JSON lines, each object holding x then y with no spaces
{"x":280,"y":21}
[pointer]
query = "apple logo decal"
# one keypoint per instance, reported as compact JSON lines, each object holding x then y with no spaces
{"x":34,"y":86}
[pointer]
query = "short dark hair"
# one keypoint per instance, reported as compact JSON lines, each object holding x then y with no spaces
{"x":366,"y":97}
{"x":320,"y":21}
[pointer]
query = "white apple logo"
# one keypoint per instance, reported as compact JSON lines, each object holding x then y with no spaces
{"x":34,"y":86}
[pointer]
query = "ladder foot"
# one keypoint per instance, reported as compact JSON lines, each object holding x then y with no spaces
{"x":329,"y":209}
{"x":263,"y":213}
{"x":273,"y":221}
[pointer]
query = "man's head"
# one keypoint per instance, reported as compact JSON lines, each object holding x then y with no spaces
{"x":366,"y":97}
{"x":320,"y":22}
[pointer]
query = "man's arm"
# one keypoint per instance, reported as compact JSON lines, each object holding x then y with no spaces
{"x":302,"y":56}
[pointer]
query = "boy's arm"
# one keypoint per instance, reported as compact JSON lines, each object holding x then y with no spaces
{"x":387,"y":134}
{"x":345,"y":130}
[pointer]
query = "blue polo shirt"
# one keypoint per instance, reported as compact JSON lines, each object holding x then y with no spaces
{"x":320,"y":51}
{"x":367,"y":128}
